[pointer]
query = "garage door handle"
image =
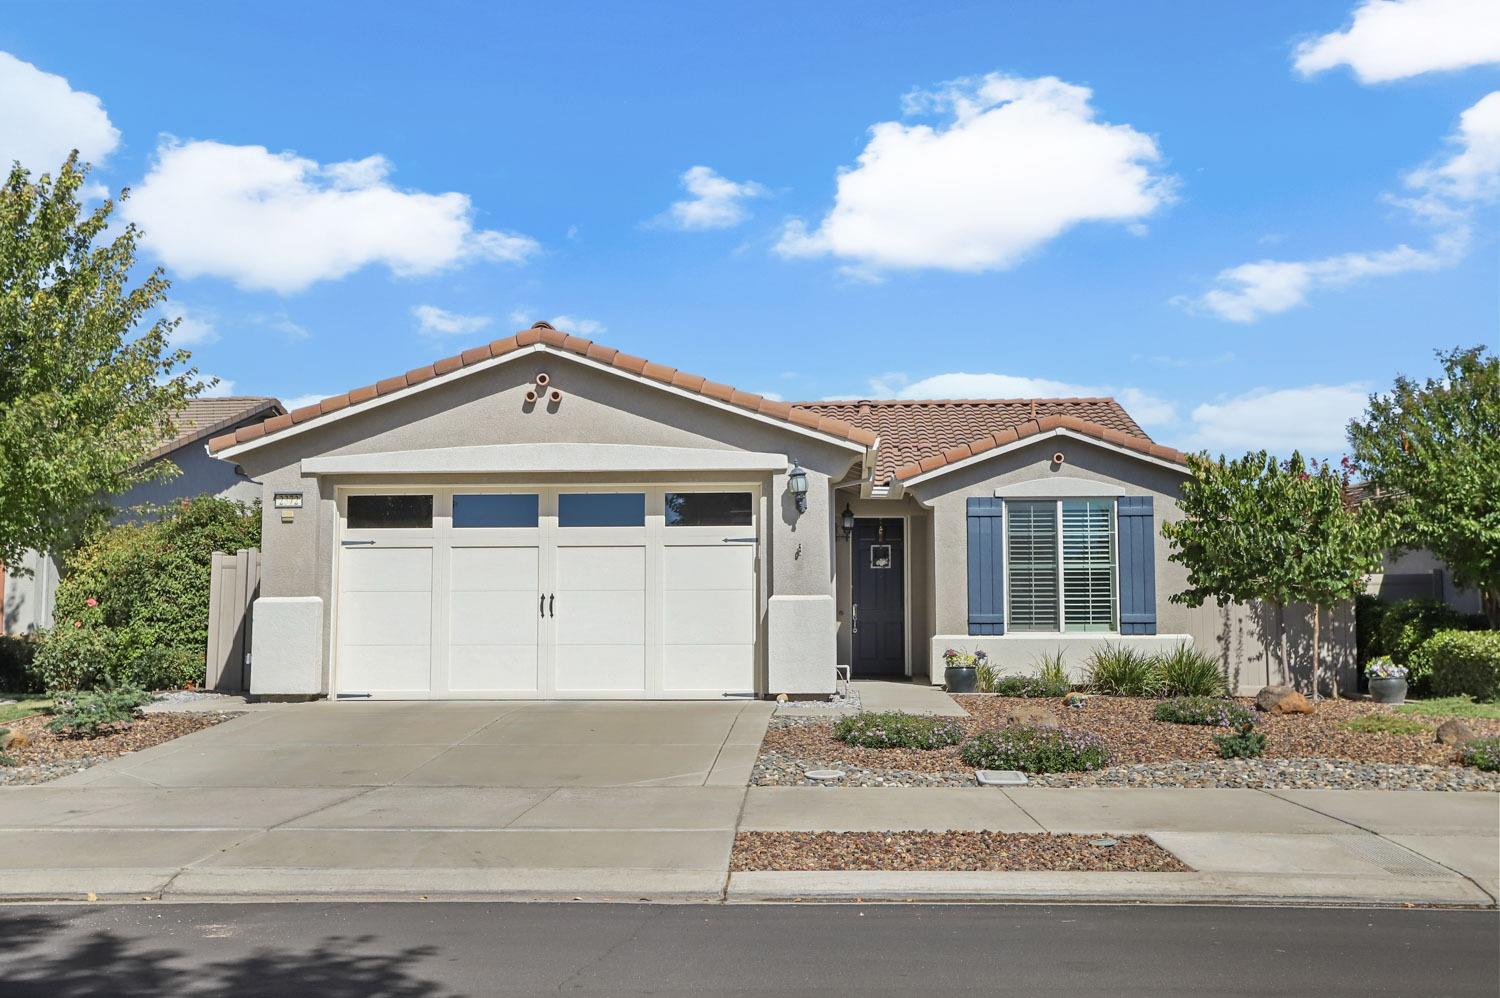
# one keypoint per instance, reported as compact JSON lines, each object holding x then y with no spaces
{"x":738,"y":540}
{"x":550,"y":600}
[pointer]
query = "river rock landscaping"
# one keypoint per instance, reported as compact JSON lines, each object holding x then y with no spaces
{"x":949,"y":851}
{"x":47,"y":755}
{"x":1302,"y":751}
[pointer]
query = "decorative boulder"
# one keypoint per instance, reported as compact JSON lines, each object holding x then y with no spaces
{"x":1030,"y":716}
{"x":1075,"y":699}
{"x":18,"y":740}
{"x":1454,"y":732}
{"x":1282,"y":700}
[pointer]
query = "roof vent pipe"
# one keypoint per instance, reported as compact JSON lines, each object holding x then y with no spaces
{"x":541,"y":325}
{"x":530,"y":396}
{"x":542,"y":379}
{"x":554,"y":396}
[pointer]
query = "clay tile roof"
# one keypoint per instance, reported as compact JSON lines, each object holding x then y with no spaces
{"x":204,"y":417}
{"x":552,"y":339}
{"x":922,"y":435}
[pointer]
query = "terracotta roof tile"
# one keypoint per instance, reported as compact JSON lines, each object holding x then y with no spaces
{"x":204,"y":418}
{"x":914,"y":432}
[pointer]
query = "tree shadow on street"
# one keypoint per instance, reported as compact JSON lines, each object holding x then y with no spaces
{"x":104,"y":963}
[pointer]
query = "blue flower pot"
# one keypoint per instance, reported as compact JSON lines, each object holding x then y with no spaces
{"x":961,"y":678}
{"x":1388,"y":690}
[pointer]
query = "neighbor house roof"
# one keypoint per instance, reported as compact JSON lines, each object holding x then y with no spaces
{"x":203,"y":417}
{"x":921,"y":435}
{"x":544,"y":335}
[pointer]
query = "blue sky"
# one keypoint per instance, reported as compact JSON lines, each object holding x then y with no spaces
{"x":807,"y":199}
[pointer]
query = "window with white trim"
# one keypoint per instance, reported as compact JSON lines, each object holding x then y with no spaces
{"x":1060,"y":564}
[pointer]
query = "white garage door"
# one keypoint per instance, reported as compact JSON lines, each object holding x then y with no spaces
{"x":568,"y":593}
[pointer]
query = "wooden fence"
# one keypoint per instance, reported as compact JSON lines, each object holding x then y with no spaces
{"x":233,"y":588}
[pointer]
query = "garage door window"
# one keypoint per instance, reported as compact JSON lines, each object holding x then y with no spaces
{"x":404,"y":512}
{"x":502,"y":509}
{"x":601,"y":509}
{"x":708,"y":509}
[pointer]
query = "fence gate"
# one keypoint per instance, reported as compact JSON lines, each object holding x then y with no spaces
{"x":233,"y":587}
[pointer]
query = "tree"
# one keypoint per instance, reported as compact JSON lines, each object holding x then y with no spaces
{"x":1429,"y":455}
{"x":84,"y":393}
{"x":1278,"y":532}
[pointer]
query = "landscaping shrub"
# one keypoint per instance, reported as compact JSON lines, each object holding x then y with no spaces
{"x":1116,"y":670}
{"x":1204,"y":710}
{"x":87,"y":715}
{"x":1035,"y":750}
{"x":1405,"y":626}
{"x":1462,"y":663}
{"x":1188,"y":672}
{"x":148,"y":582}
{"x":1052,"y":675}
{"x":1385,"y":724}
{"x":1051,"y":679}
{"x":1481,"y":753}
{"x":74,"y":658}
{"x":17,"y":672}
{"x":1244,"y":743}
{"x":893,"y":729}
{"x":163,"y":669}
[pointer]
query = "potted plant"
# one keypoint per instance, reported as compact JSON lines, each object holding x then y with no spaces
{"x":1387,"y":680}
{"x":961,"y":670}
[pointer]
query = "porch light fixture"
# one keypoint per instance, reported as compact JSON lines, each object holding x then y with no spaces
{"x":796,"y":483}
{"x":846,"y":521}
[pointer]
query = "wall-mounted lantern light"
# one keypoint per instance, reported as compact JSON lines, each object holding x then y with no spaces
{"x":796,"y":483}
{"x":846,"y":521}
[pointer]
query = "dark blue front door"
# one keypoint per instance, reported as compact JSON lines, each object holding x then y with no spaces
{"x":878,"y":624}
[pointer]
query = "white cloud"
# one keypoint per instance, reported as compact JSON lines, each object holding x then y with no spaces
{"x":224,"y":386}
{"x":1442,"y":195}
{"x":42,"y":119}
{"x":1015,"y":164}
{"x":298,"y":401}
{"x":434,"y":321}
{"x":577,"y":325}
{"x":1148,"y":409}
{"x":195,"y":325}
{"x":279,"y":222}
{"x":716,"y":202}
{"x":1394,"y":39}
{"x":1311,"y":419}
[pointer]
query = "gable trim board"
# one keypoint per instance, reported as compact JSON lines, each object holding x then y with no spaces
{"x":1048,"y":428}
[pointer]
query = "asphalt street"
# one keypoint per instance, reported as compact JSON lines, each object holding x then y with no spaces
{"x":442,"y":949}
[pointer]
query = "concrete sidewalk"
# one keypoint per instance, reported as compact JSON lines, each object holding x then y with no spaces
{"x":1284,"y":846}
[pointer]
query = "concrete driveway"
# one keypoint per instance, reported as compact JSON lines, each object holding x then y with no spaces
{"x":590,"y":799}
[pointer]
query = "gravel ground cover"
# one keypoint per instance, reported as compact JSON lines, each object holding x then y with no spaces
{"x":51,"y":756}
{"x":948,"y":851}
{"x":1301,"y":751}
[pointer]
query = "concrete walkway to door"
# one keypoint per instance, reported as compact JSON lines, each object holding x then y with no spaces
{"x":596,"y":799}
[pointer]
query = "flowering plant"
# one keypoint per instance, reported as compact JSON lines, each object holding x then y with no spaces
{"x":1384,"y":668}
{"x":963,"y":659}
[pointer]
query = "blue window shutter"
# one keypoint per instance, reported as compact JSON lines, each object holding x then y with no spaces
{"x":986,"y":566}
{"x":1137,"y":530}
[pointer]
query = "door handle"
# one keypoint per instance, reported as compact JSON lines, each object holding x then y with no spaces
{"x":541,"y":605}
{"x":550,"y":600}
{"x":854,"y":618}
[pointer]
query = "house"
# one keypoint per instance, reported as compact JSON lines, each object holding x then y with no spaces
{"x":1416,"y":573}
{"x":27,"y":597}
{"x":547,"y":517}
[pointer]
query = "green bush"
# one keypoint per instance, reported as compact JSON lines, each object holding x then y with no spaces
{"x":88,"y":715}
{"x":1406,"y":626}
{"x":1244,"y":743}
{"x":17,"y":674}
{"x":893,"y":729}
{"x":1051,"y":679}
{"x":1188,"y":672}
{"x":149,"y":581}
{"x":75,"y":658}
{"x":1204,"y":710}
{"x":1035,"y":750}
{"x":1462,"y":663}
{"x":163,"y":669}
{"x":1117,"y":670}
{"x":1052,"y":675}
{"x":1481,"y":753}
{"x":1385,"y":724}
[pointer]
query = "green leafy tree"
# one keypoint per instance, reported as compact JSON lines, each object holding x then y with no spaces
{"x":1255,"y":529}
{"x":1429,"y":453}
{"x":86,"y":389}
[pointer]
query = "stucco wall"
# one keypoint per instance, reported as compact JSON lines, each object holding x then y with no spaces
{"x":488,"y":407}
{"x":1421,"y":574}
{"x":1233,"y":635}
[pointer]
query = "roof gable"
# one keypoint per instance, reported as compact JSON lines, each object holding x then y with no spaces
{"x":543,"y":337}
{"x":203,"y":417}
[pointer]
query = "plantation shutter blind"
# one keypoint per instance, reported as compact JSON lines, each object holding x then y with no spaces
{"x":1137,"y":529}
{"x":1088,"y":559}
{"x":986,"y":565}
{"x":1031,"y":541}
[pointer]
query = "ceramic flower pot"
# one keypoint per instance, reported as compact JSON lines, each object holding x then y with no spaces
{"x":1388,"y":690}
{"x":961,"y":678}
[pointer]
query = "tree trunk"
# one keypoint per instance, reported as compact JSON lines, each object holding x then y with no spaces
{"x":1317,"y":616}
{"x":1286,"y":669}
